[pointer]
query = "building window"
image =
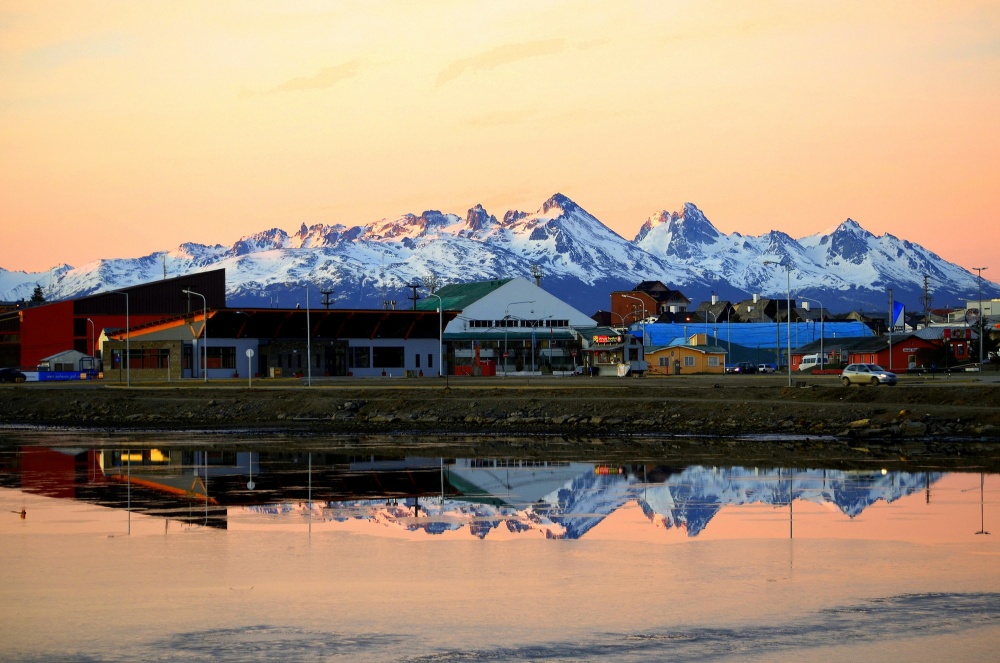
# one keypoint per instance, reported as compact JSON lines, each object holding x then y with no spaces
{"x":222,"y":357}
{"x":418,"y":360}
{"x":430,"y":360}
{"x":689,"y":361}
{"x":359,"y":357}
{"x":665,"y":362}
{"x":713,"y":361}
{"x":391,"y":357}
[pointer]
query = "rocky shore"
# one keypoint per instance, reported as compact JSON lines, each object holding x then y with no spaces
{"x":948,"y":417}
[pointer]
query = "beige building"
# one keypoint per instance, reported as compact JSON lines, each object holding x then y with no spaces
{"x":694,"y":355}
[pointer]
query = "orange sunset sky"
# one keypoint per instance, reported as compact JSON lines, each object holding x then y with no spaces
{"x":131,"y":127}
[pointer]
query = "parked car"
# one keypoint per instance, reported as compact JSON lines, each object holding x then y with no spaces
{"x":12,"y":375}
{"x":809,"y":362}
{"x":872,"y":374}
{"x":766,"y":368}
{"x":744,"y":367}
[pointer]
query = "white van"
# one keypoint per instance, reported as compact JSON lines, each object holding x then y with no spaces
{"x":810,"y":362}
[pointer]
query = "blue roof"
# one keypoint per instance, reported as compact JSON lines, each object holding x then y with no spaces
{"x":752,"y":334}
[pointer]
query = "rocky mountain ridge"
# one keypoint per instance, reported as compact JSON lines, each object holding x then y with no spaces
{"x":580,"y":259}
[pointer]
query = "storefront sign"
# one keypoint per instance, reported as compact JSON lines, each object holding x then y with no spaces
{"x":606,"y":339}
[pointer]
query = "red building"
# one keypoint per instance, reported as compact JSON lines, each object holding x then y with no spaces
{"x":30,"y":334}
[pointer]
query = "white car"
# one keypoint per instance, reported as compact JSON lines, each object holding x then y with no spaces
{"x":872,"y":374}
{"x":766,"y":368}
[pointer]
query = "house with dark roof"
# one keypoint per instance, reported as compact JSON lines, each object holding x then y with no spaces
{"x":647,"y":301}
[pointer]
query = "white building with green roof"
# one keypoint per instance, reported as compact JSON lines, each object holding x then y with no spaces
{"x":508,"y":326}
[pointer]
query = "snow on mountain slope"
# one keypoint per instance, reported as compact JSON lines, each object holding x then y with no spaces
{"x":581,"y":259}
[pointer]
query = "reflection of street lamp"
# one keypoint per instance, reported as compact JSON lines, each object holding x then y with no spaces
{"x":440,"y":329}
{"x":980,"y":270}
{"x":788,"y":310}
{"x":982,"y":521}
{"x":822,"y":322}
{"x":204,"y":326}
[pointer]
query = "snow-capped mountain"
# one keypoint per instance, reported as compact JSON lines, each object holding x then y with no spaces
{"x":580,"y":258}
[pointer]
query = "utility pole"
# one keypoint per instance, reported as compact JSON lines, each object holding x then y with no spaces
{"x":927,"y":301}
{"x":326,"y":298}
{"x":892,"y":312}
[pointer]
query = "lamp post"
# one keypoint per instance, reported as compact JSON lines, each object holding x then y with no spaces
{"x":822,"y":327}
{"x":788,"y":309}
{"x":729,"y":328}
{"x":128,"y":362}
{"x":309,"y":354}
{"x":204,"y":327}
{"x":91,"y":337}
{"x":441,"y":333}
{"x":643,"y":302}
{"x":507,"y":316}
{"x":715,"y":322}
{"x":980,"y":271}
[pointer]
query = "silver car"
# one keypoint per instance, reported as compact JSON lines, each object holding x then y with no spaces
{"x":872,"y":374}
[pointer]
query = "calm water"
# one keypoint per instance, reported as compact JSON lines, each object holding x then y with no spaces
{"x":253,"y":553}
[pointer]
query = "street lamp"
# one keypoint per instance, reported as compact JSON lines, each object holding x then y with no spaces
{"x":822,"y":322}
{"x":309,"y":354}
{"x":980,"y":270}
{"x":204,"y":327}
{"x":643,"y":302}
{"x":91,"y":336}
{"x":441,"y":331}
{"x":128,"y":362}
{"x":507,"y":316}
{"x":715,"y":322}
{"x":788,"y":309}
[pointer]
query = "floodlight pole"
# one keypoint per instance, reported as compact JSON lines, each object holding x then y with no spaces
{"x":204,"y":327}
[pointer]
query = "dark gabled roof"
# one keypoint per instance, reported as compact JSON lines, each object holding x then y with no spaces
{"x":459,"y":296}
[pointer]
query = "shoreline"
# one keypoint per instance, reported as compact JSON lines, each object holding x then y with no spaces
{"x":707,"y":406}
{"x":916,"y":426}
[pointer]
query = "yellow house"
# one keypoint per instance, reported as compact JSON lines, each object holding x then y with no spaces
{"x":686,"y":358}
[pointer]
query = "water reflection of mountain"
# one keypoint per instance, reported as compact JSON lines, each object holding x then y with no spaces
{"x":548,"y":498}
{"x":528,"y":498}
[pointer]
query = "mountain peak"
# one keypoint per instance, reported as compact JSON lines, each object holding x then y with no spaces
{"x":687,"y":226}
{"x":477,"y":218}
{"x":848,"y":226}
{"x":559,"y":201}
